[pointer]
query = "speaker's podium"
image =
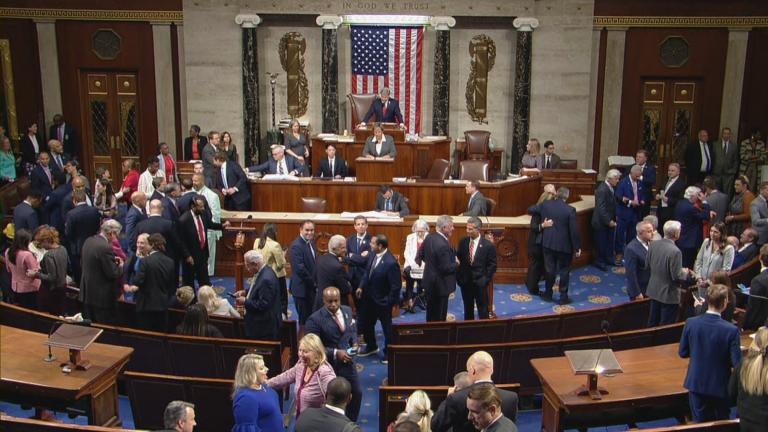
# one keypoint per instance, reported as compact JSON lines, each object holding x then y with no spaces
{"x":375,"y":170}
{"x":593,"y":362}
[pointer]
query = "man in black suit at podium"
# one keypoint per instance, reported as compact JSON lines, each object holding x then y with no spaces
{"x":386,"y":109}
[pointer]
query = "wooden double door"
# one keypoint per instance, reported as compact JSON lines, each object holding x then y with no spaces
{"x":112,"y":120}
{"x":670,"y":120}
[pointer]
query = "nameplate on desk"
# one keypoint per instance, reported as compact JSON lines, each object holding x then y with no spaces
{"x":280,"y":177}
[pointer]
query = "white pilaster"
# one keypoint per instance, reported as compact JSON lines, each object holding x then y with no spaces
{"x":442,"y":23}
{"x":730,"y":109}
{"x":182,"y":81}
{"x":525,"y":24}
{"x":49,"y":70}
{"x":166,"y":114}
{"x":612,"y":84}
{"x":331,"y":22}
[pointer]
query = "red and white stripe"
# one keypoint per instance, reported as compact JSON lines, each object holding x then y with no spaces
{"x":404,"y":78}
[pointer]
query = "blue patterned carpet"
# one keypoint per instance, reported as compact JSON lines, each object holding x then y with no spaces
{"x":590,"y":288}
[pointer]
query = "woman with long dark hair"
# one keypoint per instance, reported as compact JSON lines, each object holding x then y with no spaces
{"x":106,"y":201}
{"x":228,"y":147}
{"x":274,"y":257}
{"x":196,"y":323}
{"x":23,"y":266}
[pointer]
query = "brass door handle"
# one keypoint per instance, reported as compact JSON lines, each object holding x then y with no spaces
{"x":118,"y":142}
{"x":111,"y":142}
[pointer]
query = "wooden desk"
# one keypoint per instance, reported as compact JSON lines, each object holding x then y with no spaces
{"x":426,"y":197}
{"x":413,"y":158}
{"x":651,"y":387}
{"x":376,"y":170}
{"x":579,"y":182}
{"x":27,"y":379}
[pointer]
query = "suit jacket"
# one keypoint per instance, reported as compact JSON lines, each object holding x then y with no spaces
{"x":39,"y":180}
{"x":637,"y":273}
{"x":477,"y":205}
{"x":693,"y":162}
{"x":624,"y":191}
{"x":356,"y":263}
{"x":323,"y":420}
{"x":535,"y":232}
{"x":691,"y":220}
{"x":440,"y":266}
{"x":713,"y":347}
{"x":757,"y":308}
{"x":81,"y":223}
{"x":330,"y":272}
{"x":184,"y":202}
{"x":480,"y":271}
{"x":387,"y":147}
{"x":726,"y":163}
{"x":70,"y":142}
{"x":201,"y":143}
{"x":52,"y":206}
{"x":132,"y":219}
{"x":188,"y":234}
{"x":605,"y":207}
{"x":270,"y":166}
{"x":170,"y":211}
{"x":563,"y":235}
{"x":398,"y":201}
{"x":665,"y":262}
{"x":339,"y":168}
{"x":324,"y":325}
{"x":155,"y":279}
{"x":382,"y":283}
{"x":235,"y":178}
{"x":393,"y":114}
{"x":554,"y":161}
{"x":718,"y":202}
{"x":648,"y":179}
{"x":453,"y":412}
{"x":67,"y":205}
{"x":97,"y":285}
{"x":742,"y":257}
{"x":758,"y":211}
{"x":175,"y":248}
{"x":674,"y":194}
{"x":25,"y":217}
{"x":503,"y":424}
{"x":210,"y":171}
{"x":54,"y":163}
{"x":28,"y":154}
{"x":262,"y":306}
{"x":302,"y":268}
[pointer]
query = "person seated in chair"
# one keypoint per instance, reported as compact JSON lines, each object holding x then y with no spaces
{"x":379,"y":146}
{"x":386,"y":109}
{"x":391,"y":202}
{"x":332,"y":166}
{"x":550,"y":160}
{"x":280,"y":163}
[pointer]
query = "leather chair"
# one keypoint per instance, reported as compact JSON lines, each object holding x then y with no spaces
{"x":359,"y":104}
{"x":474,"y":170}
{"x":477,"y":144}
{"x":313,"y":204}
{"x":440,"y":170}
{"x":490,"y":204}
{"x":570,"y":164}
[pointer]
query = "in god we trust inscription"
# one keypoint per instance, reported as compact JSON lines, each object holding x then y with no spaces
{"x":385,"y":6}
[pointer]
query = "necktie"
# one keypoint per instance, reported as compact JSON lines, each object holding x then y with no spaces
{"x":339,"y":322}
{"x":58,"y":161}
{"x":375,"y":263}
{"x":48,"y":174}
{"x":388,"y":206}
{"x":385,"y":108}
{"x":471,"y":251}
{"x":280,"y":168}
{"x":706,"y":155}
{"x":309,"y":245}
{"x":634,"y":190}
{"x":359,"y":244}
{"x":61,"y":134}
{"x":332,"y":173}
{"x":547,"y":164}
{"x":200,"y":231}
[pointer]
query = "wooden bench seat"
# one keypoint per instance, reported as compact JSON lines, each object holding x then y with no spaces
{"x":713,"y":426}
{"x":18,"y":424}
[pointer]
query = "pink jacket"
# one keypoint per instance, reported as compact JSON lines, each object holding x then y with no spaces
{"x":313,"y":393}
{"x":20,"y":282}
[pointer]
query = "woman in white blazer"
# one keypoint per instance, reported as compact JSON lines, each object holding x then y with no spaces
{"x":714,"y":255}
{"x":413,"y":272}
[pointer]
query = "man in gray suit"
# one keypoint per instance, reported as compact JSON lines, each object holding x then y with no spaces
{"x":726,"y":163}
{"x":209,"y":151}
{"x":717,"y":200}
{"x":477,"y":205}
{"x":379,"y":146}
{"x":331,"y":417}
{"x":484,"y":406}
{"x":666,"y":264}
{"x":759,"y":213}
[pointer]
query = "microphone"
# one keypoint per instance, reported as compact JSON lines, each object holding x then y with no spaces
{"x":54,"y":327}
{"x":605,"y":326}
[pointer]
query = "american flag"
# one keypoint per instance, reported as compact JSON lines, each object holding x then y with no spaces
{"x":390,"y":57}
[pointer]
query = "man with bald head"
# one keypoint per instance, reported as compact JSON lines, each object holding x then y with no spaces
{"x":136,"y":213}
{"x":453,"y":413}
{"x":157,"y":224}
{"x":330,"y":272}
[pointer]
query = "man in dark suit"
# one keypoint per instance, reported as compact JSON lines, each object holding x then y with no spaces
{"x":335,"y":326}
{"x":303,"y":254}
{"x":440,"y":269}
{"x":358,"y":249}
{"x":167,"y":194}
{"x":136,"y":213}
{"x":330,"y":418}
{"x":629,"y":198}
{"x":152,"y":284}
{"x":59,"y":159}
{"x":41,"y":177}
{"x":727,"y":157}
{"x":378,"y":291}
{"x":261,"y":300}
{"x":25,"y":212}
{"x":748,"y":248}
{"x":330,"y":272}
{"x":560,"y":243}
{"x":604,"y":220}
{"x":477,"y":205}
{"x":484,"y":407}
{"x":332,"y":166}
{"x":209,"y":154}
{"x":97,"y":288}
{"x":156,"y":223}
{"x":193,"y":228}
{"x":386,"y":109}
{"x":635,"y":255}
{"x":453,"y":413}
{"x":712,"y":344}
{"x":757,"y":305}
{"x":549,"y":159}
{"x":392,"y":202}
{"x":671,"y":193}
{"x":477,"y":265}
{"x":699,"y":159}
{"x":692,"y":211}
{"x":52,"y":205}
{"x":280,"y":163}
{"x":233,"y":183}
{"x":81,"y":223}
{"x":648,"y":180}
{"x":78,"y":183}
{"x":65,"y":134}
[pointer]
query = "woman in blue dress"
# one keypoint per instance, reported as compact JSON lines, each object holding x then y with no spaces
{"x":255,"y":406}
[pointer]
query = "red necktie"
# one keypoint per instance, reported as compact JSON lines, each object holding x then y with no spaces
{"x":471,"y":251}
{"x":385,"y":108}
{"x":200,"y":232}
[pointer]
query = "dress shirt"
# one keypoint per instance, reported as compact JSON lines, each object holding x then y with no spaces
{"x":335,"y":409}
{"x":331,"y":162}
{"x":670,"y":182}
{"x":378,"y":147}
{"x":35,"y":145}
{"x":60,"y":132}
{"x":361,"y":240}
{"x":473,"y":243}
{"x":713,"y":312}
{"x":224,"y":175}
{"x":494,"y":421}
{"x":706,"y":158}
{"x":446,"y":238}
{"x":645,"y":245}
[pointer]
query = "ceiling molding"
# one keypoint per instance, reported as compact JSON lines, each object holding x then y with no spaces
{"x":680,"y":21}
{"x":93,"y":15}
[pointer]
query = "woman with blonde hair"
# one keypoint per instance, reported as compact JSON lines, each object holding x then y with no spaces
{"x":255,"y":406}
{"x":749,"y":385}
{"x":418,"y":409}
{"x":532,"y":155}
{"x":310,"y":375}
{"x":274,"y":257}
{"x":214,"y":304}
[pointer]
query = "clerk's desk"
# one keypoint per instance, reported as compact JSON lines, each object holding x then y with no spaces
{"x":511,"y":233}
